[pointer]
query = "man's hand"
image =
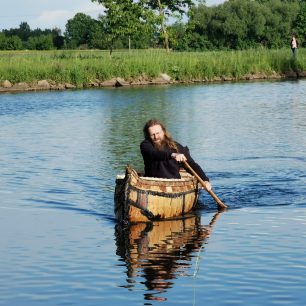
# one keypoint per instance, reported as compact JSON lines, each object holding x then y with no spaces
{"x":179,"y":157}
{"x":207,"y":185}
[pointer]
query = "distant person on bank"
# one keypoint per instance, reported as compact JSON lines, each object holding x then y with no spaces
{"x":294,"y":44}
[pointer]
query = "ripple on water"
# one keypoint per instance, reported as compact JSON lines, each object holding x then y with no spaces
{"x":60,"y":153}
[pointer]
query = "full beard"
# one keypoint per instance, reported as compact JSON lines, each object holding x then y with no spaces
{"x":160,"y":146}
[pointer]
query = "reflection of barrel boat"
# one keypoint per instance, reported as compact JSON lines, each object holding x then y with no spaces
{"x":160,"y":251}
{"x":140,"y":198}
{"x":159,"y":242}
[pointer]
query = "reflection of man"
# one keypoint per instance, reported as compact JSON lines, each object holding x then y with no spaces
{"x":162,"y":155}
{"x":161,"y":251}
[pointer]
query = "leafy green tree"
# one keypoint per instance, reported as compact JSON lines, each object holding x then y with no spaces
{"x":24,"y":31}
{"x":78,"y":30}
{"x":280,"y":16}
{"x":163,"y":9}
{"x":122,"y":18}
{"x":14,"y":43}
{"x":24,"y":37}
{"x":10,"y":43}
{"x":128,"y":17}
{"x":198,"y":27}
{"x":240,"y":24}
{"x":41,"y":42}
{"x":58,"y":39}
{"x":97,"y":37}
{"x":2,"y":41}
{"x":300,"y":24}
{"x":145,"y":37}
{"x":158,"y":13}
{"x":178,"y":37}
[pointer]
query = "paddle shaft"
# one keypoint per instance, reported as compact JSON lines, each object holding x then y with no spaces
{"x":219,"y":202}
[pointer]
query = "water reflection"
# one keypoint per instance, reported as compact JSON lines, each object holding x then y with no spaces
{"x":161,"y":251}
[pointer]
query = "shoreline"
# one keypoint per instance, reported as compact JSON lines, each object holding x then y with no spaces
{"x":163,"y":79}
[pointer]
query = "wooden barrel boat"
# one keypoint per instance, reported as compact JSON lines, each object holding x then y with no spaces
{"x":143,"y":199}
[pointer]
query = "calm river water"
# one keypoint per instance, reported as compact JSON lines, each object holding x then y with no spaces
{"x":60,"y":153}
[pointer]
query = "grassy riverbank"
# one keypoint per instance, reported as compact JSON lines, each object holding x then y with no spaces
{"x":83,"y":67}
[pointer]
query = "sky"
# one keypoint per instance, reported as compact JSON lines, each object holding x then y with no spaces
{"x":48,"y":14}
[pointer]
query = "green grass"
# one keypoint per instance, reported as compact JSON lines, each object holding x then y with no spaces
{"x":82,"y":67}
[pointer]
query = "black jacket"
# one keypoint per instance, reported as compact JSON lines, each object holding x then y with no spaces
{"x":160,"y":163}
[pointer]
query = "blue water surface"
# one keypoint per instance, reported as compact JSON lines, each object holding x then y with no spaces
{"x":61,"y":151}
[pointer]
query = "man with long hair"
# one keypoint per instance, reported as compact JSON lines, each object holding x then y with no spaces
{"x":162,"y":155}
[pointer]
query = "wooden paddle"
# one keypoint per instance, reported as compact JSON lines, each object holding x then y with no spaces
{"x":219,"y":202}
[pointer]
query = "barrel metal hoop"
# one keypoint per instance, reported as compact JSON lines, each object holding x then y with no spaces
{"x":161,"y":194}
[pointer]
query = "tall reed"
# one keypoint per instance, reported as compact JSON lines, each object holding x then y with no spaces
{"x":81,"y":67}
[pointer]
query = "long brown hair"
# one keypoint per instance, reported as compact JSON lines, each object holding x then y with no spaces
{"x":169,"y":142}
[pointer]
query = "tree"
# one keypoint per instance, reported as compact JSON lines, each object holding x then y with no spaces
{"x":14,"y":43}
{"x":126,"y":17}
{"x":241,"y":24}
{"x":300,"y":23}
{"x":279,"y":16}
{"x":41,"y":42}
{"x":177,"y":36}
{"x":121,"y":18}
{"x":10,"y":43}
{"x":58,"y":39}
{"x":78,"y":30}
{"x":163,"y":9}
{"x":97,"y":37}
{"x":2,"y":41}
{"x":24,"y":31}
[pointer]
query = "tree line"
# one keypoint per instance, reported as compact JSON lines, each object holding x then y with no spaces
{"x":172,"y":24}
